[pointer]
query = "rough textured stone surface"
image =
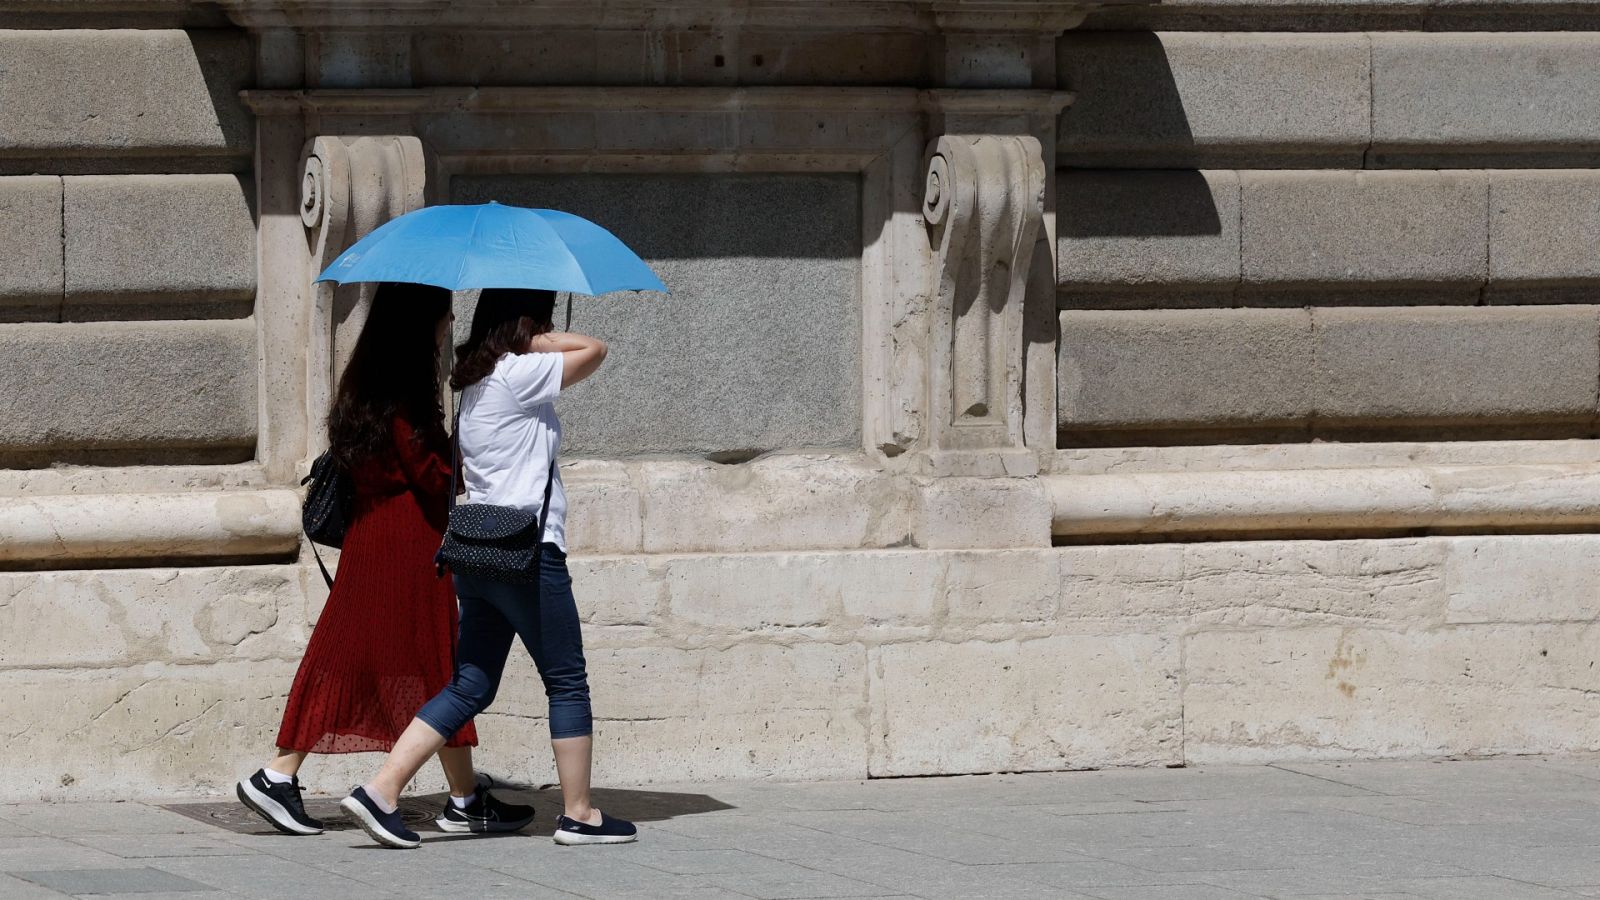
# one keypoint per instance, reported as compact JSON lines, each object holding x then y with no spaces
{"x":1539,"y":362}
{"x":110,"y":386}
{"x":1147,"y":229}
{"x":758,"y":345}
{"x":1347,"y":692}
{"x":99,"y":529}
{"x":124,"y":92}
{"x":1449,"y":94}
{"x":130,"y":617}
{"x":178,"y":241}
{"x":775,"y":503}
{"x":1216,"y":367}
{"x":1553,"y":578}
{"x":934,"y":704}
{"x":1176,"y":99}
{"x":815,"y":665}
{"x":30,"y":256}
{"x":1544,"y":227}
{"x":1364,"y":228}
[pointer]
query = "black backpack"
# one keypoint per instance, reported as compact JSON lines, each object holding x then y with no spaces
{"x":326,"y":512}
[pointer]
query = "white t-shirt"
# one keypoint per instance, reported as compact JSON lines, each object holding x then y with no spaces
{"x":509,"y":435}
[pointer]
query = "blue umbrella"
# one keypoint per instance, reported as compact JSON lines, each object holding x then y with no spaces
{"x":494,"y":246}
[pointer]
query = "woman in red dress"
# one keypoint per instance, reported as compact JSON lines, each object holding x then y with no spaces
{"x":385,"y":641}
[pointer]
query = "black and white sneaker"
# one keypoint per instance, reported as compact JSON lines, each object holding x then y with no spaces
{"x":278,"y":803}
{"x":387,"y":829}
{"x":484,"y":815}
{"x":571,"y":832}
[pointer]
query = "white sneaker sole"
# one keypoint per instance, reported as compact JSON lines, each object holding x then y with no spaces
{"x":270,"y":809}
{"x":568,"y":839}
{"x":374,"y":830}
{"x":466,"y":828}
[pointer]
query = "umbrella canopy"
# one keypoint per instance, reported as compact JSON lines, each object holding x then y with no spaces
{"x":494,"y":246}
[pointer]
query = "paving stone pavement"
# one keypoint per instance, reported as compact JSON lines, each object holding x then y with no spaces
{"x":1499,"y":829}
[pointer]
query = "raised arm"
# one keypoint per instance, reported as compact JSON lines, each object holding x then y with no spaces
{"x":581,"y":354}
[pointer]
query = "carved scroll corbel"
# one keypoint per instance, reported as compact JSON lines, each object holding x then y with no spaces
{"x":349,"y":186}
{"x":984,"y":205}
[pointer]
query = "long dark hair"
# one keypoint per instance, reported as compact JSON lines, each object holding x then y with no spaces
{"x":393,"y":371}
{"x":506,"y":321}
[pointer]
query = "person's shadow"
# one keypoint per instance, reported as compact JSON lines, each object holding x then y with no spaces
{"x":419,"y":810}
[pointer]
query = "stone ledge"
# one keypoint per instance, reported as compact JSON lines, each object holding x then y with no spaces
{"x":56,"y":531}
{"x":1355,"y":501}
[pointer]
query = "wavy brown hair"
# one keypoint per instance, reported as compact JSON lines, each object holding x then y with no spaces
{"x":506,"y":321}
{"x":393,"y":371}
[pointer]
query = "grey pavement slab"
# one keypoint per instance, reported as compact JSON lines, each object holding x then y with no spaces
{"x":1447,"y":830}
{"x":143,"y":880}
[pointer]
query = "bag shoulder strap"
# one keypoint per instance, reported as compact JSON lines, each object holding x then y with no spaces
{"x":456,"y":462}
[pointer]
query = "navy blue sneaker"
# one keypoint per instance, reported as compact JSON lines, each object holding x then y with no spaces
{"x":387,"y":829}
{"x":278,"y":803}
{"x":571,"y":832}
{"x":485,"y":814}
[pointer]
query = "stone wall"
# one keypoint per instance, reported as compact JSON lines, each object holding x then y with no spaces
{"x":127,"y":279}
{"x":858,"y":664}
{"x":1043,"y":386}
{"x":1351,"y":234}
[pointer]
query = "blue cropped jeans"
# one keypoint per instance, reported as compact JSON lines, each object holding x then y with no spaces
{"x":545,"y":617}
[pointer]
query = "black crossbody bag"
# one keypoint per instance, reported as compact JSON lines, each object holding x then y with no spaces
{"x":329,"y":504}
{"x":501,"y":543}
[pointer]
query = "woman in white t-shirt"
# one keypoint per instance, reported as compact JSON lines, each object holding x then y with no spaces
{"x":510,"y":371}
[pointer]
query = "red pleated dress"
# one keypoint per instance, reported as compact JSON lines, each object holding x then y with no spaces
{"x":384,"y":644}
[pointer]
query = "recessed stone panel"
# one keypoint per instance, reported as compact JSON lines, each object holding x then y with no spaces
{"x":1364,"y":230}
{"x":1448,"y":364}
{"x":756,"y":348}
{"x":181,"y":244}
{"x":140,"y":387}
{"x":30,"y":254}
{"x":1216,"y":368}
{"x":124,"y":93}
{"x":1203,"y":98}
{"x":1484,"y":94}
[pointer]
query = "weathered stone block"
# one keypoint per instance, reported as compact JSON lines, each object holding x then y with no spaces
{"x":1063,"y":702}
{"x":146,"y":729}
{"x":1147,"y":229}
{"x":652,"y":721}
{"x":117,"y":92}
{"x":128,"y":616}
{"x":1131,"y":369}
{"x":1180,"y":99}
{"x":111,"y":386}
{"x":175,"y":241}
{"x":758,"y":345}
{"x":1325,"y":693}
{"x":1001,"y":586}
{"x":1544,"y":226}
{"x":1455,"y":364}
{"x":603,"y":511}
{"x":1415,"y":229}
{"x":1256,"y":583}
{"x":617,"y":590}
{"x":790,"y":590}
{"x":1480,"y":93}
{"x":30,"y":256}
{"x":800,"y":502}
{"x":982,"y":512}
{"x":1515,"y":578}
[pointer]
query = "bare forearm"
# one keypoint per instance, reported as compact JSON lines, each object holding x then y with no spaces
{"x":563,"y":342}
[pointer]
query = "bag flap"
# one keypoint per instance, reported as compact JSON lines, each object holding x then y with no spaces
{"x":486,"y":522}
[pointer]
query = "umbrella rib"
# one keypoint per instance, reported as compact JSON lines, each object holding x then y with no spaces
{"x":472,"y":236}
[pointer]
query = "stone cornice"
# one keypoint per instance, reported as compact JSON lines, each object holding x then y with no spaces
{"x":1037,"y":16}
{"x":654,"y":99}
